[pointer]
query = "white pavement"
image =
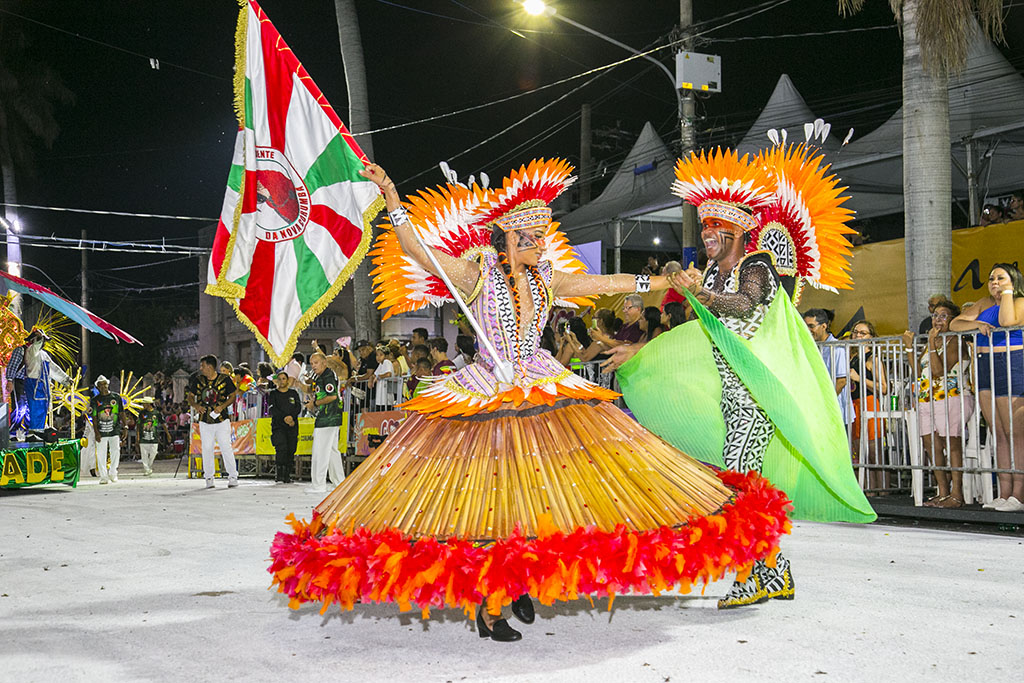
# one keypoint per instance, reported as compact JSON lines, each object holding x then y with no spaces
{"x":155,"y":579}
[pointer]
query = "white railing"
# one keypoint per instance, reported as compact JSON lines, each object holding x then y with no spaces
{"x":890,"y":450}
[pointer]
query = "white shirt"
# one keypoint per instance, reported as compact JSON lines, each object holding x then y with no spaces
{"x":383,"y":396}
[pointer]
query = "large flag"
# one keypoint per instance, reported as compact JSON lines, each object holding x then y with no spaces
{"x":296,"y":216}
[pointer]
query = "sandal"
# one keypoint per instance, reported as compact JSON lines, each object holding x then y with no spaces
{"x":950,"y":502}
{"x":935,"y":502}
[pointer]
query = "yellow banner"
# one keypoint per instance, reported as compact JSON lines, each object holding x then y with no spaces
{"x":880,"y":276}
{"x":305,"y":446}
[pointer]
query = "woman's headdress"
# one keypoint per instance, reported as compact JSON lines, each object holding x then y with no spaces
{"x":457,"y":219}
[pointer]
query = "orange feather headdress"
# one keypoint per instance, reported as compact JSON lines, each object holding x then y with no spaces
{"x":457,"y":220}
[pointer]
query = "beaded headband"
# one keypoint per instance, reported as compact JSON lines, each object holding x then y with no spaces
{"x":527,"y":219}
{"x":731,"y":213}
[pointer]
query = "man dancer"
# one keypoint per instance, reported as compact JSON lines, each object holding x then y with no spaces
{"x":285,"y":406}
{"x":105,"y":410}
{"x":324,"y":404}
{"x":775,"y":408}
{"x":738,"y":289}
{"x":210,"y":393}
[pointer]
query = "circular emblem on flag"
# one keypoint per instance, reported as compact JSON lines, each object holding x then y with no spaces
{"x":282,"y":200}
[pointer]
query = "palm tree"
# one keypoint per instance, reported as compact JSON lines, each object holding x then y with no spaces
{"x":29,"y":94}
{"x":367,"y":322}
{"x":936,"y":38}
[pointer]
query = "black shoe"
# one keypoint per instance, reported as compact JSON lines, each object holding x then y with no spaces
{"x":522,"y":609}
{"x":500,"y":632}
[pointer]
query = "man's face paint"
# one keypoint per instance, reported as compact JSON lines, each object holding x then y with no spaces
{"x":719,"y":236}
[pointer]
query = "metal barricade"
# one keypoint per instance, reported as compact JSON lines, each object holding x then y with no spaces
{"x":912,"y":429}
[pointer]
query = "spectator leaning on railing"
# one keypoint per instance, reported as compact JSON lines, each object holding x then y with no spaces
{"x":944,"y":401}
{"x":1001,"y":375}
{"x":1015,"y":206}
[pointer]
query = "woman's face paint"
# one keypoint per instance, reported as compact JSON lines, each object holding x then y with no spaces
{"x":528,"y":245}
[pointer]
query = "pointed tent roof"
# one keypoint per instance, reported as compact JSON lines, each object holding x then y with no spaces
{"x":983,"y":100}
{"x":787,"y":109}
{"x":639,"y":186}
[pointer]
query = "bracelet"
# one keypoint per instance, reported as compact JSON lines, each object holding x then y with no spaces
{"x":643,"y":283}
{"x":1006,"y":291}
{"x":398,"y":216}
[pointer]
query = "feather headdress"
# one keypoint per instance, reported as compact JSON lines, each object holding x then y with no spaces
{"x":456,"y":219}
{"x":722,"y":185}
{"x":805,"y":227}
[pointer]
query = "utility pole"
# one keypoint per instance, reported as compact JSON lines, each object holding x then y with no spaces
{"x":586,"y":162}
{"x":85,"y":304}
{"x":688,"y":138}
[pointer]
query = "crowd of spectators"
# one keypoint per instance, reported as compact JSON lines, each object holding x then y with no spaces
{"x":1003,"y":211}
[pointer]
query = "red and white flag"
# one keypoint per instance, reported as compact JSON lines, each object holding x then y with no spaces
{"x":296,"y":216}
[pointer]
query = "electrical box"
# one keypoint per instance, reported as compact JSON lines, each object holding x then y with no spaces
{"x":696,"y":71}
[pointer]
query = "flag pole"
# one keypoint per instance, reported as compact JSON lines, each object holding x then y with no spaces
{"x":502,"y":368}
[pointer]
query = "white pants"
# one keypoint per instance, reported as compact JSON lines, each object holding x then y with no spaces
{"x":111,"y":444}
{"x":87,"y":458}
{"x":219,"y":434}
{"x":148,"y":451}
{"x":326,"y":457}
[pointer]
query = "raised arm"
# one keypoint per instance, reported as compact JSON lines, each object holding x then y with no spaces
{"x":576,"y":284}
{"x":463,"y":273}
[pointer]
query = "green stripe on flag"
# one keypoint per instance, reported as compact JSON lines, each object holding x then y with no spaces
{"x":335,"y":164}
{"x":248,"y":104}
{"x":235,"y":177}
{"x":243,"y":281}
{"x":310,"y":281}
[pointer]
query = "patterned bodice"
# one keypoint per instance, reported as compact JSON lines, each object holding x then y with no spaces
{"x":494,"y":308}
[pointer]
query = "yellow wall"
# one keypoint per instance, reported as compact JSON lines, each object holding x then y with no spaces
{"x":880,"y":284}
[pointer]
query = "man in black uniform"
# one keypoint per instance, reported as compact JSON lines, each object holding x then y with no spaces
{"x":285,"y":406}
{"x":210,"y":393}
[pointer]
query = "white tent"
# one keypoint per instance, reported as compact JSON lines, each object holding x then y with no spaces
{"x":636,"y":208}
{"x":785,"y":109}
{"x":986,"y":122}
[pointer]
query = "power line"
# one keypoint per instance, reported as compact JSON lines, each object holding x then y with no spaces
{"x":802,"y":35}
{"x":148,"y":58}
{"x":110,"y":213}
{"x":54,"y":242}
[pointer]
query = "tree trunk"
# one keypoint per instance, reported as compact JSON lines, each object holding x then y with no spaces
{"x":11,"y":215}
{"x":926,"y":175}
{"x":367,"y":317}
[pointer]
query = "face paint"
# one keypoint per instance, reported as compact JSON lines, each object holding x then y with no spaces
{"x":528,"y":239}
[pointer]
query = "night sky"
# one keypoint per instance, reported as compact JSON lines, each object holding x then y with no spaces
{"x":159,"y":141}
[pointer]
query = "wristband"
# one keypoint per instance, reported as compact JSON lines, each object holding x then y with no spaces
{"x":643,"y":283}
{"x":1006,"y":291}
{"x":398,"y":216}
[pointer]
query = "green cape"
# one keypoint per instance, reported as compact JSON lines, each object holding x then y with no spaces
{"x":673,"y":388}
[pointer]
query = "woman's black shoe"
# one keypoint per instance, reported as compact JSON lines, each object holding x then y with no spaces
{"x":522,"y":608}
{"x":500,"y":632}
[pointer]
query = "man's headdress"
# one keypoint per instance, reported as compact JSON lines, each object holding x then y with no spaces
{"x":722,"y":185}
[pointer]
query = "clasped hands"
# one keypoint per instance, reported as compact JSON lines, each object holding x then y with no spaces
{"x":690,"y":279}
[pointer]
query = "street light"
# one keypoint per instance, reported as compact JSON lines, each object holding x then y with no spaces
{"x":683,"y":106}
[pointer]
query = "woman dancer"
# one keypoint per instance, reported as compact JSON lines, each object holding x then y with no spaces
{"x":492,"y":492}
